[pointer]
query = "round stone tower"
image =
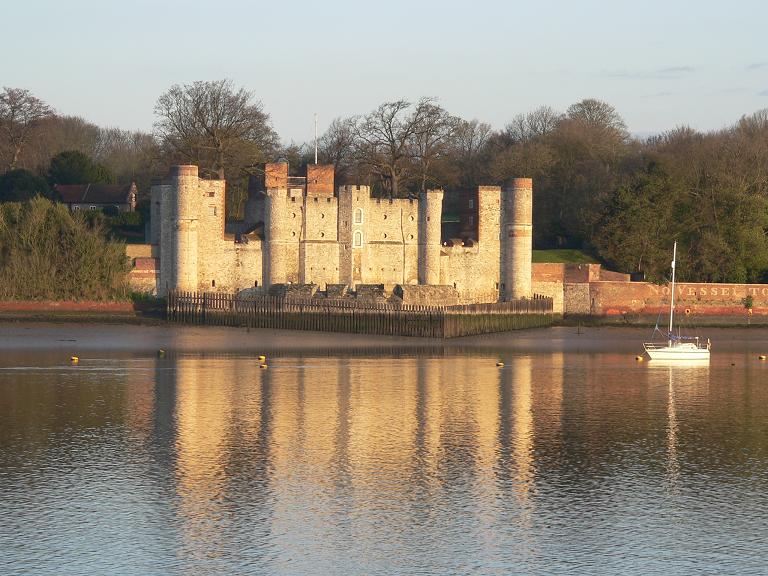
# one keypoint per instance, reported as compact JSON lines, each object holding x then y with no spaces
{"x":184,"y":214}
{"x":430,"y":214}
{"x":278,"y":235}
{"x":518,"y":239}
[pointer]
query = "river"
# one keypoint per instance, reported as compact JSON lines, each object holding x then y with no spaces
{"x":363,"y":455}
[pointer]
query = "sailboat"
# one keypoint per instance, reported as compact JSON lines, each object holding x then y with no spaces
{"x":677,"y":347}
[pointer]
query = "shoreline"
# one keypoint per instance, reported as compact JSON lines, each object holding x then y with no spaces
{"x":156,"y":317}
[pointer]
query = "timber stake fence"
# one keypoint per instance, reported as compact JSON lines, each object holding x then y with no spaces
{"x":354,"y":316}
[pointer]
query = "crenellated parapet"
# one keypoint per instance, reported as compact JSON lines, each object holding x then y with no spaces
{"x":298,"y":231}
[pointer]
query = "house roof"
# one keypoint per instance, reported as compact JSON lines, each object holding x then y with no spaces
{"x":95,"y":193}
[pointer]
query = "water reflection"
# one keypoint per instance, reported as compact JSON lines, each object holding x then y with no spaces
{"x":380,"y":465}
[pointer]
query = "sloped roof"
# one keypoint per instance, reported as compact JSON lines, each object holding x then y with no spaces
{"x":95,"y":193}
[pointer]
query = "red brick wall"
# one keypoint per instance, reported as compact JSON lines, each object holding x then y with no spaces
{"x":320,"y":179}
{"x":611,"y":298}
{"x":547,"y":272}
{"x":276,"y":175}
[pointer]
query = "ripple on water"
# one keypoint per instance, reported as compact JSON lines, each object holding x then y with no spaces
{"x":562,"y":462}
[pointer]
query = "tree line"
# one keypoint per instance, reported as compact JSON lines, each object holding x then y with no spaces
{"x":596,"y":187}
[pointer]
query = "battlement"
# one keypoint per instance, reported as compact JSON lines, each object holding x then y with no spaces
{"x":360,"y":188}
{"x":303,"y":233}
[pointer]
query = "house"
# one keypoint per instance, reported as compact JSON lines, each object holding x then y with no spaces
{"x":119,"y":197}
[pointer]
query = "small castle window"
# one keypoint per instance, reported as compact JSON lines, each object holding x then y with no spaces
{"x":293,"y":234}
{"x":385,"y":216}
{"x":315,"y":198}
{"x":322,"y":234}
{"x":384,"y":235}
{"x":293,"y":199}
{"x":411,"y":218}
{"x":255,"y":283}
{"x":357,"y":239}
{"x":410,"y":236}
{"x":328,"y":200}
{"x":213,"y":283}
{"x":358,"y":217}
{"x":293,"y":214}
{"x":322,"y":215}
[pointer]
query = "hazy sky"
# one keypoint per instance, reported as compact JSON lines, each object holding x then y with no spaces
{"x":660,"y":63}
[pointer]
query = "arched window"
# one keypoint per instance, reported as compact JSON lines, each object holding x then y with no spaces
{"x":357,"y":239}
{"x":358,"y":218}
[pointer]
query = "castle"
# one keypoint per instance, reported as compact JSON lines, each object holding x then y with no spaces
{"x":303,"y":231}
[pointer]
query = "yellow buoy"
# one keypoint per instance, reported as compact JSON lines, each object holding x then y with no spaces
{"x":74,"y":359}
{"x":762,"y":356}
{"x":262,"y":358}
{"x":499,"y":364}
{"x":262,"y":365}
{"x":639,"y":358}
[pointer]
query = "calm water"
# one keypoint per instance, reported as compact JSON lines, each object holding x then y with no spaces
{"x":351,"y":455}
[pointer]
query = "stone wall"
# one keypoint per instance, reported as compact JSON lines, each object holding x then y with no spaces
{"x":143,"y":275}
{"x":428,"y":295}
{"x":576,"y":298}
{"x":310,"y":236}
{"x":552,"y":290}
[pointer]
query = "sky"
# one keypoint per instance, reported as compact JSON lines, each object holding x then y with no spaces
{"x":661,"y":64}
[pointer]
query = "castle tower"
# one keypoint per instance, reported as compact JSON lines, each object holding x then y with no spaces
{"x":278,"y":236}
{"x":352,"y":234}
{"x":184,"y":204}
{"x":430,"y":214}
{"x":517,"y":239}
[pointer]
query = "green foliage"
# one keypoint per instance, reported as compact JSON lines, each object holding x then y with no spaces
{"x":74,"y":167}
{"x":567,"y":256}
{"x":748,"y":301}
{"x":21,"y":185}
{"x":127,"y":219}
{"x":47,"y":253}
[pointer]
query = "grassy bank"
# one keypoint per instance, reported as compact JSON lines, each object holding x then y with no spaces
{"x":566,"y":256}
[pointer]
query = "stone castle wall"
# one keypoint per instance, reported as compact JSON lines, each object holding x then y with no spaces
{"x":299,"y":232}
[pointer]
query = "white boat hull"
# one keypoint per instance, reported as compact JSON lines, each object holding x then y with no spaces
{"x":676,"y":352}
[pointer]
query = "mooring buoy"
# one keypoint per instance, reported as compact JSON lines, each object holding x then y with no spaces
{"x":74,"y":359}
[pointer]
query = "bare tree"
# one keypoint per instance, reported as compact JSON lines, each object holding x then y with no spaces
{"x":598,"y":114}
{"x":336,"y":146}
{"x":214,"y":125}
{"x":534,"y":124}
{"x":431,"y":140}
{"x":21,"y":113}
{"x":384,"y":140}
{"x":470,"y":141}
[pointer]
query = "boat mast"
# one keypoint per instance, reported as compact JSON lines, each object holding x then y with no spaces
{"x":672,"y":299}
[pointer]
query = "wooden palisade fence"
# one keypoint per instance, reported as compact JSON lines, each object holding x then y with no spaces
{"x":349,"y":315}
